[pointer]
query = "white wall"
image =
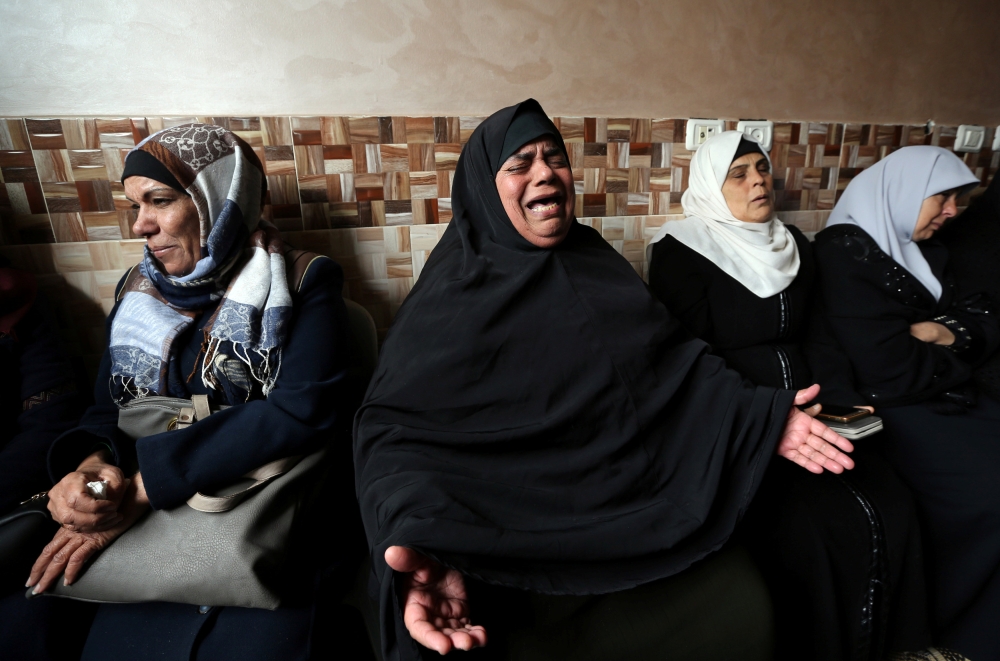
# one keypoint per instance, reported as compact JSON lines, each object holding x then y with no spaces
{"x":855,"y":60}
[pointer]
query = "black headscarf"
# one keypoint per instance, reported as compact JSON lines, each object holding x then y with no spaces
{"x":537,"y":422}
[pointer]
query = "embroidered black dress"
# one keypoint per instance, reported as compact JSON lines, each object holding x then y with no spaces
{"x":828,"y":544}
{"x":945,"y":448}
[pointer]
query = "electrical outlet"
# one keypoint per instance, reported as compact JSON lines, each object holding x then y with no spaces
{"x":760,"y":130}
{"x":700,"y":130}
{"x":970,"y":138}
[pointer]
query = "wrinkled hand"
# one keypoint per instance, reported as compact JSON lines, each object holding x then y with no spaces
{"x":932,"y":333}
{"x":69,"y":551}
{"x":435,"y":606}
{"x":809,"y":442}
{"x":72,"y":506}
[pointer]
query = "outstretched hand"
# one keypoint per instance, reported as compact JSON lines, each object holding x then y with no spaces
{"x":810,"y":443}
{"x":435,"y":605}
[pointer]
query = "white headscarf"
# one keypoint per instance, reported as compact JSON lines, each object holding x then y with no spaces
{"x":763,"y":257}
{"x":885,"y":201}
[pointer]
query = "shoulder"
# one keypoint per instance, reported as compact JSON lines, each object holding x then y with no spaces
{"x":307,"y":271}
{"x":847,"y":242}
{"x":585,"y":236}
{"x":673,"y":255}
{"x":800,"y":238}
{"x":130,"y":274}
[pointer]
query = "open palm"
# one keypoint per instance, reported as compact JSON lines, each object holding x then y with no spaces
{"x":810,"y":443}
{"x":435,"y":605}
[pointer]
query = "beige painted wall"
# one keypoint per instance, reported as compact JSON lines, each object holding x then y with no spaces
{"x":888,"y":61}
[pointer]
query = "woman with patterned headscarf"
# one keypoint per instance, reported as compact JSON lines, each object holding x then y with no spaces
{"x":208,"y":311}
{"x":914,"y":340}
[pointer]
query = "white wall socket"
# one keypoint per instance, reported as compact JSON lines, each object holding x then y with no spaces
{"x":970,"y":138}
{"x":760,"y":130}
{"x":700,"y":130}
{"x":996,"y":139}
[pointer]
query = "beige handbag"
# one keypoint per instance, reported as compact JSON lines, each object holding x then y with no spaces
{"x":223,"y":549}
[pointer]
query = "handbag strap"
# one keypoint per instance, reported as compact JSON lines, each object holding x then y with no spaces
{"x":261,"y":476}
{"x":199,"y":410}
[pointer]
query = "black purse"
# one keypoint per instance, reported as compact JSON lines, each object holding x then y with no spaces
{"x":24,"y":532}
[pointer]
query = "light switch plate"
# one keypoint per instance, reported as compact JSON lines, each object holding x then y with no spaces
{"x":700,"y":130}
{"x":996,"y":139}
{"x":970,"y":138}
{"x":760,"y":130}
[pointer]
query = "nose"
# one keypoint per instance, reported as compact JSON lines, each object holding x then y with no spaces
{"x":541,"y":171}
{"x":950,"y":208}
{"x":145,"y":222}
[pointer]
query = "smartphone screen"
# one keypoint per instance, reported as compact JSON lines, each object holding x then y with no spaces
{"x":841,"y":413}
{"x":838,"y":410}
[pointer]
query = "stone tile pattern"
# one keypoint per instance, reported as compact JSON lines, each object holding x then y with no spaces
{"x":374,"y":192}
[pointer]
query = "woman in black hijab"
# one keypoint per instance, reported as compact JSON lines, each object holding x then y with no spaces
{"x":537,"y":421}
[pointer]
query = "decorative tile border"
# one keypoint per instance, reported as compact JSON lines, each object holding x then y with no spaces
{"x":59,"y":178}
{"x":374,"y":193}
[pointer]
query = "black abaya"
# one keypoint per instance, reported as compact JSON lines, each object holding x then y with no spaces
{"x":841,"y":553}
{"x":950,"y":462}
{"x":537,"y":422}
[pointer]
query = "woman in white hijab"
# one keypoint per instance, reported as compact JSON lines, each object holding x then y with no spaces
{"x":741,"y":280}
{"x":913,"y":341}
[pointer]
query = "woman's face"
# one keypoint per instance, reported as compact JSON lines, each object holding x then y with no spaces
{"x":749,"y":189}
{"x":168,"y":220}
{"x":935,"y":210}
{"x":536,"y":188}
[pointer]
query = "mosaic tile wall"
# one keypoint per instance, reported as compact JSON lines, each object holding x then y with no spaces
{"x":374,"y":192}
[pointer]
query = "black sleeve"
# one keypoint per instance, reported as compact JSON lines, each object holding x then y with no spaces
{"x":298,"y":417}
{"x":891,"y":366}
{"x":50,"y":404}
{"x":681,"y":284}
{"x":975,"y":323}
{"x":827,"y":361}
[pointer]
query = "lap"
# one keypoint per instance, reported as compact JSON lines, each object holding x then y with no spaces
{"x":180,"y":631}
{"x":717,"y":609}
{"x":951,"y":462}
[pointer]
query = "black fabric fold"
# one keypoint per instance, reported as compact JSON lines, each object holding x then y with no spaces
{"x":539,"y":421}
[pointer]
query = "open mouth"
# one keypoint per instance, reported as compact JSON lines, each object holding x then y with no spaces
{"x":545,"y":205}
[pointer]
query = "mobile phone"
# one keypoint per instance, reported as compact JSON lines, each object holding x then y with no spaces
{"x":838,"y":413}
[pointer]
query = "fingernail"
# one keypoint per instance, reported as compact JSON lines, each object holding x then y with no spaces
{"x":28,"y":584}
{"x":35,"y":591}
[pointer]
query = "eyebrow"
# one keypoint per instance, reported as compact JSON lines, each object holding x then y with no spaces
{"x":151,"y":191}
{"x":744,"y":166}
{"x":527,"y":155}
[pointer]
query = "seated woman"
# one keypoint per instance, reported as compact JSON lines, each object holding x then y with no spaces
{"x":973,"y":243}
{"x":539,"y":422}
{"x":913,"y":343}
{"x":738,"y":278}
{"x":208,"y":311}
{"x":39,"y":400}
